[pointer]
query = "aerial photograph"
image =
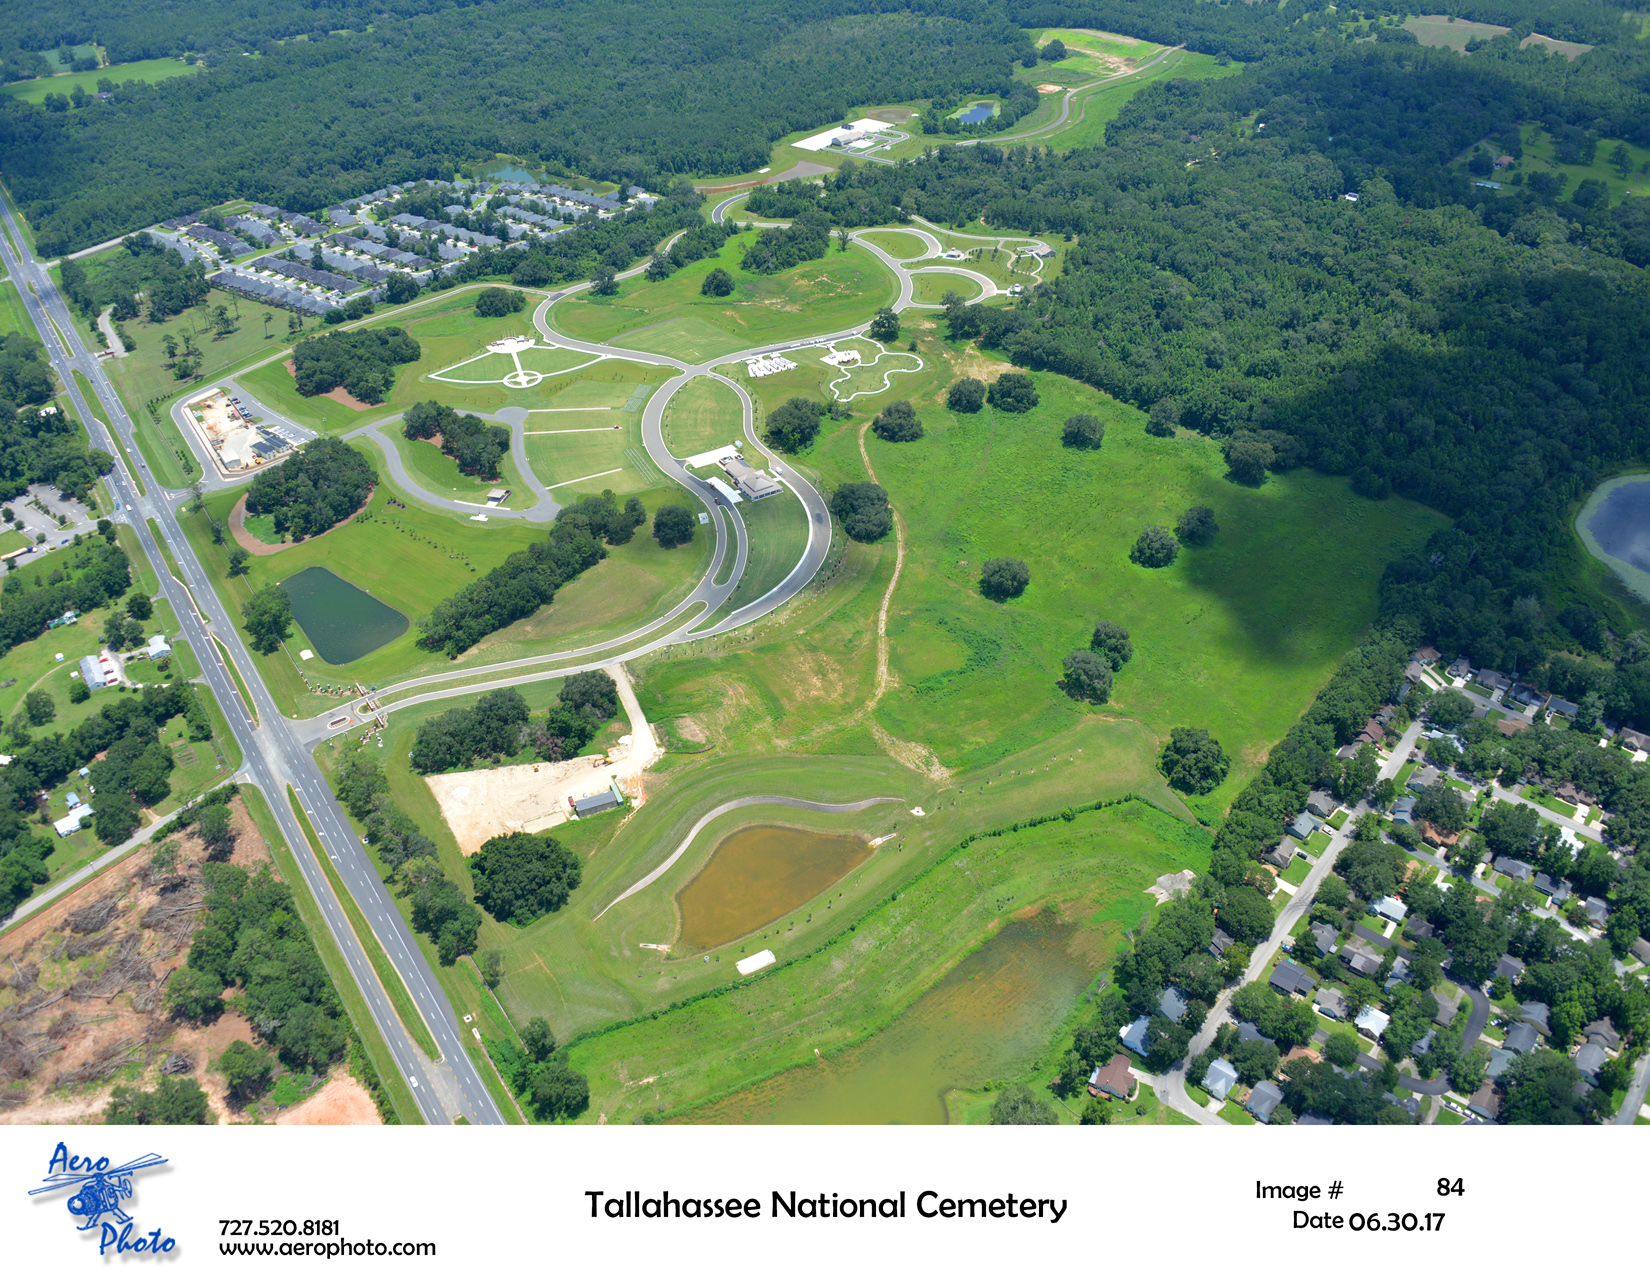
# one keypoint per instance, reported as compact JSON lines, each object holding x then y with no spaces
{"x":924,"y":562}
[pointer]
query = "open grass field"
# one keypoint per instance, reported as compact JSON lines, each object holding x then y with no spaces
{"x":778,"y":530}
{"x":1441,"y":31}
{"x":898,"y":244}
{"x":412,"y":558}
{"x":894,"y":978}
{"x":438,"y":473}
{"x":151,"y":71}
{"x":1091,"y":111}
{"x":450,"y":334}
{"x":1539,"y":157}
{"x":573,"y":465}
{"x":701,"y":415}
{"x":931,"y":287}
{"x":13,"y":318}
{"x":818,"y":296}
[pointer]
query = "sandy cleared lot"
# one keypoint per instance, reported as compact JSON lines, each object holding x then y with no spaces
{"x":481,"y":804}
{"x":342,"y":1100}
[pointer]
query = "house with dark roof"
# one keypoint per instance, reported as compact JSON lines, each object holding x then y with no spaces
{"x":1114,"y":1080}
{"x":1324,"y":937}
{"x":1310,"y":1119}
{"x":1283,"y":854}
{"x":1589,"y":1058}
{"x":1398,"y":974}
{"x":1555,"y":888}
{"x":1419,"y":928}
{"x":1291,"y":980}
{"x":1219,"y":1079}
{"x":1248,"y":1032}
{"x":1219,"y":944}
{"x":1598,"y":911}
{"x":1492,"y":680}
{"x":1500,"y":1060}
{"x":1424,"y":777}
{"x":1603,"y":1032}
{"x":1486,"y":1102}
{"x":1172,"y":1004}
{"x":1425,"y":1043}
{"x":1521,"y":1038}
{"x":1534,"y":1013}
{"x":1330,"y":1003}
{"x":1322,"y":803}
{"x":1360,"y":957}
{"x":1509,"y":967}
{"x":1263,"y":1100}
{"x":1403,"y":810}
{"x":1460,"y":666}
{"x":1303,"y":826}
{"x":1562,"y":708}
{"x":1635,"y":740}
{"x":1517,"y":869}
{"x":1411,"y":1104}
{"x":1526,"y":695}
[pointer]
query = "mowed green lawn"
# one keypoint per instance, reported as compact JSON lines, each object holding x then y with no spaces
{"x":449,"y":333}
{"x":834,"y":292}
{"x":901,"y":245}
{"x":778,"y":531}
{"x":151,"y":71}
{"x":579,"y":464}
{"x":438,"y":473}
{"x":1092,"y":110}
{"x":701,"y":415}
{"x":1235,"y":638}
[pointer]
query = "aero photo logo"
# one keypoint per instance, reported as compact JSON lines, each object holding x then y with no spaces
{"x":101,"y":1192}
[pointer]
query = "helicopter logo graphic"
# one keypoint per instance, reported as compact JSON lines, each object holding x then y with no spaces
{"x":100,"y":1191}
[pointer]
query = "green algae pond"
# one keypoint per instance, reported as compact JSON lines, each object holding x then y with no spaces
{"x":987,"y":1020}
{"x":342,"y":623}
{"x":757,"y":875}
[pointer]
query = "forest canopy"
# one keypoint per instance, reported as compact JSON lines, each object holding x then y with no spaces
{"x":313,"y":490}
{"x":361,"y":362}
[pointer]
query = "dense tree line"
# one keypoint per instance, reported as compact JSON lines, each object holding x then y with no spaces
{"x":97,"y":574}
{"x":514,"y":590}
{"x":476,"y":447}
{"x":150,"y":276}
{"x":627,"y":93}
{"x":362,"y":361}
{"x":253,"y":941}
{"x":459,"y":737}
{"x":313,"y":490}
{"x":780,"y":247}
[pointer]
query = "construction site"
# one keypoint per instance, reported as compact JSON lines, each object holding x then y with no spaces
{"x":231,"y":438}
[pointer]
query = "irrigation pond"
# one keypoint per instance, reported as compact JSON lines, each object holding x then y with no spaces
{"x":757,"y":875}
{"x":342,"y":623}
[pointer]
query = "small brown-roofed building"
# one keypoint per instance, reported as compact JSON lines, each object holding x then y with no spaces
{"x":1510,"y":726}
{"x":1427,"y":655}
{"x":1114,"y":1080}
{"x":1374,"y":732}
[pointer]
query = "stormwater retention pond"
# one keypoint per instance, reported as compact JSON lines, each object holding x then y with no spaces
{"x":1615,"y":526}
{"x":757,"y":875}
{"x":343,"y":623}
{"x":987,"y":1020}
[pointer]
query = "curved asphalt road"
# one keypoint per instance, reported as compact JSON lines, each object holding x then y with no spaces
{"x":740,"y":803}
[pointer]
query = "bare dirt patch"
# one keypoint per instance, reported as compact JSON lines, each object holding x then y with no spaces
{"x":1049,"y":88}
{"x":339,"y":395}
{"x":82,"y":1005}
{"x":342,"y":1100}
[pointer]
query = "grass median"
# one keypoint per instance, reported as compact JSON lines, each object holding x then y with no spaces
{"x":394,"y":988}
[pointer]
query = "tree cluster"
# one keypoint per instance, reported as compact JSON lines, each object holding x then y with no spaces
{"x":362,"y":361}
{"x":863,"y":510}
{"x":313,"y":490}
{"x":1193,"y":761}
{"x":523,"y":876}
{"x":477,"y":447}
{"x":897,"y":423}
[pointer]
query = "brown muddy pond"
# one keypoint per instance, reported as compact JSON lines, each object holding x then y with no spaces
{"x":987,"y":1019}
{"x":759,"y":874}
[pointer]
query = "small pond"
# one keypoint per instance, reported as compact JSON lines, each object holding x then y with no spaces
{"x":987,"y":1019}
{"x":759,"y":874}
{"x":978,"y":113}
{"x":1615,"y":526}
{"x":341,"y":622}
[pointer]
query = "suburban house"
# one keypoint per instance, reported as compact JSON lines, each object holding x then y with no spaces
{"x":1493,"y":681}
{"x":1510,"y":968}
{"x":1283,"y":854}
{"x":1413,"y":672}
{"x":1363,"y":959}
{"x":1263,"y":1100}
{"x":1636,"y":740}
{"x":1372,"y":1022}
{"x":1389,"y":909}
{"x":1417,"y":928}
{"x":1459,"y":667}
{"x":159,"y":648}
{"x":1221,"y":941}
{"x":1322,"y":804}
{"x":1310,"y":1119}
{"x":1330,"y":1003}
{"x":71,"y":822}
{"x":1603,"y":1032}
{"x":1555,"y":888}
{"x":1425,"y":1043}
{"x":1411,"y":1104}
{"x":1534,"y":1013}
{"x":1500,"y":1060}
{"x":1248,"y":1032}
{"x":1114,"y":1080}
{"x":1324,"y":936}
{"x":1424,"y":777}
{"x":1510,"y":726}
{"x":1219,"y":1079}
{"x":1172,"y":1004}
{"x":91,"y":673}
{"x":1304,"y":826}
{"x":1486,"y":1102}
{"x":1291,"y":980}
{"x":1398,"y":974}
{"x":1427,"y":655}
{"x":1589,"y":1058}
{"x":1137,"y":1035}
{"x":1598,"y":911}
{"x":1562,"y":707}
{"x":1374,"y":732}
{"x":1522,"y":694}
{"x":1403,"y":810}
{"x":1517,"y":869}
{"x":1521,"y":1038}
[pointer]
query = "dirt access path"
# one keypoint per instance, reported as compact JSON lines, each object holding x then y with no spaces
{"x":117,"y":347}
{"x":257,"y":548}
